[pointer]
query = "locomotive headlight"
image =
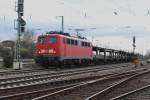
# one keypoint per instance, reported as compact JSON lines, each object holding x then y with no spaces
{"x":42,"y":51}
{"x":39,"y":52}
{"x":51,"y":51}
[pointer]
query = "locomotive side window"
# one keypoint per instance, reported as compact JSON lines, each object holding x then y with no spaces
{"x":88,"y":44}
{"x":52,"y":40}
{"x":76,"y":42}
{"x":68,"y":41}
{"x":72,"y":42}
{"x":85,"y":44}
{"x":42,"y":40}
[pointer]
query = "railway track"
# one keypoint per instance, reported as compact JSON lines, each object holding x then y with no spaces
{"x":26,"y":73}
{"x":142,"y":93}
{"x":16,"y":73}
{"x":126,"y":86}
{"x":48,"y":79}
{"x":12,"y":87}
{"x":81,"y":91}
{"x":30,"y":95}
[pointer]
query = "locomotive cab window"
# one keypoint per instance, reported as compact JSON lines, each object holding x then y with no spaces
{"x":52,"y":40}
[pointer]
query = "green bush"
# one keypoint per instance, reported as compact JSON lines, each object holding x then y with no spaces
{"x":26,"y":53}
{"x":7,"y":57}
{"x":8,"y":61}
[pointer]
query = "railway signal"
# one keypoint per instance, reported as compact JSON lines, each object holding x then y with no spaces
{"x":22,"y":25}
{"x":134,"y":44}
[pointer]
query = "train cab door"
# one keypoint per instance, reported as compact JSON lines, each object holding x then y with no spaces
{"x":64,"y":47}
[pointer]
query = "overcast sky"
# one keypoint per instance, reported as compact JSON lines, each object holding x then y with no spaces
{"x":111,"y":23}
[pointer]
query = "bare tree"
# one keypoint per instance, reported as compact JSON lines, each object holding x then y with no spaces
{"x":7,"y":52}
{"x":147,"y":56}
{"x":27,"y":44}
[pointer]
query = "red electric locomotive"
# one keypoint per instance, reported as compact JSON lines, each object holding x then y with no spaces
{"x":56,"y":48}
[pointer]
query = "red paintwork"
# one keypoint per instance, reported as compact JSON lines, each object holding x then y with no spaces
{"x":62,"y":49}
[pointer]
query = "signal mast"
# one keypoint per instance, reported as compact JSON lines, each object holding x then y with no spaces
{"x":19,"y":8}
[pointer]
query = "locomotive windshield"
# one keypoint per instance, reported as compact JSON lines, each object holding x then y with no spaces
{"x":52,"y":40}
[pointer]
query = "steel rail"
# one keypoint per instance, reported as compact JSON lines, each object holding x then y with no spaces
{"x":3,"y":73}
{"x":105,"y":91}
{"x":42,"y":82}
{"x":30,"y":78}
{"x":130,"y":93}
{"x":68,"y":90}
{"x":30,"y":95}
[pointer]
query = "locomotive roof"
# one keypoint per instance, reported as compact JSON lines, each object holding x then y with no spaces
{"x":66,"y":36}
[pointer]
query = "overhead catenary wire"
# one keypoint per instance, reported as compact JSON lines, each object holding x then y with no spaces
{"x":127,"y":7}
{"x":62,"y":2}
